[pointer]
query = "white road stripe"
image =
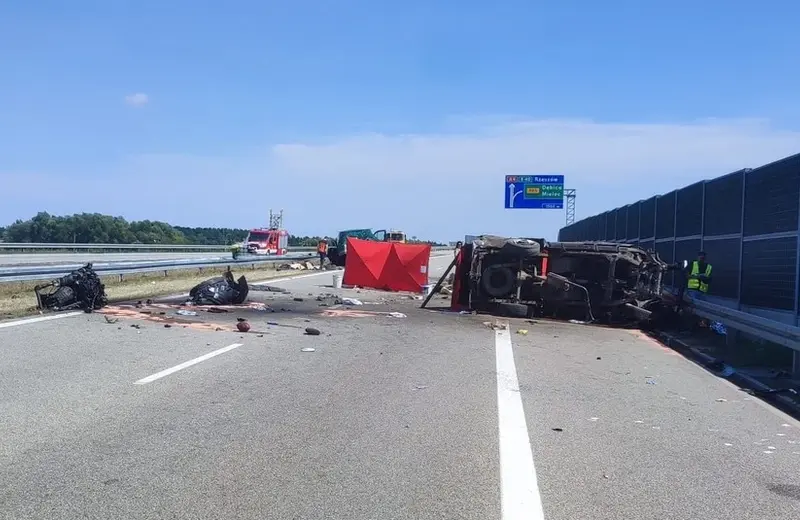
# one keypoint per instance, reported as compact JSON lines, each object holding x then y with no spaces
{"x":37,"y":319}
{"x":288,"y":278}
{"x":187,"y":364}
{"x":519,"y":487}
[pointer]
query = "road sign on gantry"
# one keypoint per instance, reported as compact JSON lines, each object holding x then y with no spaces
{"x":534,"y":192}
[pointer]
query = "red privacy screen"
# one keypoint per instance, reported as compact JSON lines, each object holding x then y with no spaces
{"x":387,"y":266}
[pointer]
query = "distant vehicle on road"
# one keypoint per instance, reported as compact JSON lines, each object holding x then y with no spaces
{"x":337,"y":248}
{"x":396,"y":236}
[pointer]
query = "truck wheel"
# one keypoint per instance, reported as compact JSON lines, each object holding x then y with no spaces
{"x":498,"y":281}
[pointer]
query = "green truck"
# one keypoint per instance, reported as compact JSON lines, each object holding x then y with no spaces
{"x":337,"y":249}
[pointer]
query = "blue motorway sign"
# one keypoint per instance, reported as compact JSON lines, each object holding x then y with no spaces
{"x":534,"y":192}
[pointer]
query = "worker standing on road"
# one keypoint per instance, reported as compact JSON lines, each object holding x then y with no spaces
{"x":699,"y":277}
{"x":457,"y":248}
{"x":322,"y":250}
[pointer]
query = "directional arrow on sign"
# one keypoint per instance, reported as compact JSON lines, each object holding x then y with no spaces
{"x":512,"y":195}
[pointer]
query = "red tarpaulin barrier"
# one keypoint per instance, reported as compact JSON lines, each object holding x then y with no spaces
{"x":388,"y":266}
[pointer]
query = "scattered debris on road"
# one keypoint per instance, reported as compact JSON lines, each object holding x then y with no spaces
{"x":308,"y":349}
{"x":81,"y":289}
{"x":306,"y":266}
{"x":311,"y":331}
{"x":242,"y":325}
{"x":495,"y":325}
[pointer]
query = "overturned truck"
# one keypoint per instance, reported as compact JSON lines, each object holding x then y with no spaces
{"x":589,"y":281}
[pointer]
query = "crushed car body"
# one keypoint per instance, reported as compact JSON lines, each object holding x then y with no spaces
{"x":81,"y":289}
{"x":221,"y":290}
{"x":588,"y":281}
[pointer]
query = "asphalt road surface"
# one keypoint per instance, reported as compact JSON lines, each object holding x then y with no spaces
{"x":431,"y":415}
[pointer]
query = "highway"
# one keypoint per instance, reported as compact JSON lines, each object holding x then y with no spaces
{"x":434,"y":415}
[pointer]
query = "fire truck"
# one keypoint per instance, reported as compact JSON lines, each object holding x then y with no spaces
{"x":267,"y":241}
{"x":273,"y":240}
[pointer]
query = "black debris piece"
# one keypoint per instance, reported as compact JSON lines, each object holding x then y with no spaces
{"x":222,"y":290}
{"x":269,"y":288}
{"x":81,"y":289}
{"x":311,"y":331}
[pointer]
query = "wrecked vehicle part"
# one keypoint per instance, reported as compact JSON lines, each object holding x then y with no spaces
{"x":624,"y":283}
{"x":269,"y":288}
{"x":221,"y":290}
{"x":558,"y":291}
{"x":81,"y":289}
{"x":503,"y":272}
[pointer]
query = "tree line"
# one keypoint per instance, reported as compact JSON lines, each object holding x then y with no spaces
{"x":95,"y":228}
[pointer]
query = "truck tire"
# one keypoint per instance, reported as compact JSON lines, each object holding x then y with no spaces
{"x":498,"y":281}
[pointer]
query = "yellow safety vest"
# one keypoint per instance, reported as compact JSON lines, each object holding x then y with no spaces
{"x":696,"y":284}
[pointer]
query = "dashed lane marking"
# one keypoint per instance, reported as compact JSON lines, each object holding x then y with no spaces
{"x":187,"y":364}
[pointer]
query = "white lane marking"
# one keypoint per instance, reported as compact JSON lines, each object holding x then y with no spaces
{"x":37,"y":319}
{"x":288,"y":278}
{"x":519,"y":487}
{"x":187,"y":364}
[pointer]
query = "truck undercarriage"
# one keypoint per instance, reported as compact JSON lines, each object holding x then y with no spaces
{"x":588,"y":281}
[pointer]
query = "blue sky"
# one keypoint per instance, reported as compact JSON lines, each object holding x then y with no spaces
{"x":357,"y":113}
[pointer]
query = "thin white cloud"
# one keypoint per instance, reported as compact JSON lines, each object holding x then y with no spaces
{"x":584,"y":151}
{"x":138,"y":99}
{"x":437,"y":185}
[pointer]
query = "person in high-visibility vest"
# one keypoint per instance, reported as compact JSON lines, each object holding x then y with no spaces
{"x":322,"y":250}
{"x":699,"y":277}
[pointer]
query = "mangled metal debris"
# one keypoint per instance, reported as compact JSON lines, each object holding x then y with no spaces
{"x":589,"y":281}
{"x":221,"y":290}
{"x":81,"y":289}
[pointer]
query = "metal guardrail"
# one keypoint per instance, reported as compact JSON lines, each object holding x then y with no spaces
{"x":25,"y":246}
{"x":48,"y":272}
{"x":769,"y":330}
